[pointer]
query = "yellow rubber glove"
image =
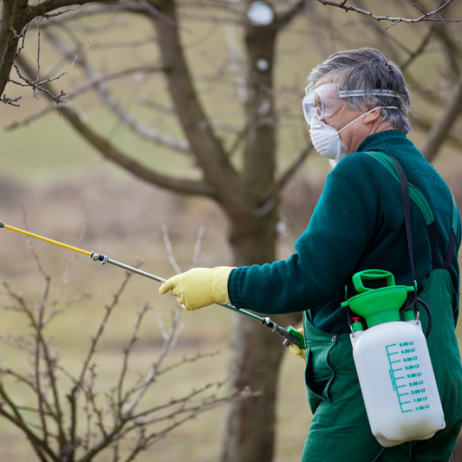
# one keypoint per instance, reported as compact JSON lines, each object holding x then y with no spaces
{"x":296,"y":350}
{"x":199,"y":287}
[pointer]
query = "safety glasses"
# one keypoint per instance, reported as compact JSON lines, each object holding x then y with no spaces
{"x":326,"y":100}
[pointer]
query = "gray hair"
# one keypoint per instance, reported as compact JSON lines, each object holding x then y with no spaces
{"x":367,"y":69}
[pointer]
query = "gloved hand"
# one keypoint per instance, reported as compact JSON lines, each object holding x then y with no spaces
{"x":199,"y":287}
{"x":296,"y":350}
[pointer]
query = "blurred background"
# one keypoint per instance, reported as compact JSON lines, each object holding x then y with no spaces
{"x":65,"y":187}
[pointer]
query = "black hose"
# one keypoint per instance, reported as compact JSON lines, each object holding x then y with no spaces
{"x":415,"y":302}
{"x":379,"y":455}
{"x":430,"y":317}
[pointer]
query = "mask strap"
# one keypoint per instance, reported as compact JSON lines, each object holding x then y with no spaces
{"x":362,"y":115}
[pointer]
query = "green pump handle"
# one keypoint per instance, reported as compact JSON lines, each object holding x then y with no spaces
{"x":369,"y":275}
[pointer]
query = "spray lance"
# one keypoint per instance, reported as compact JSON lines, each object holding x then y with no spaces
{"x":291,"y":335}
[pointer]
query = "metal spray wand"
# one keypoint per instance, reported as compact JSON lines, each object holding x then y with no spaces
{"x":291,"y":335}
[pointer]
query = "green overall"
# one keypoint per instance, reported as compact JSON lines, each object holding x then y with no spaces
{"x":339,"y":430}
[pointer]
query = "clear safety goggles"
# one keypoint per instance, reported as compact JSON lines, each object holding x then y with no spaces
{"x":326,"y":100}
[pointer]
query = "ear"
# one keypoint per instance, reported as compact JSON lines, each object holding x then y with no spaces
{"x":372,"y":117}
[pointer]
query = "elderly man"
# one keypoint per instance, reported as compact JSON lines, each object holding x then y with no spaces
{"x":356,"y":102}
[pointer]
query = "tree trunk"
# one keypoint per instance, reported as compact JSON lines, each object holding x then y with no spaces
{"x":255,"y":357}
{"x":256,"y":352}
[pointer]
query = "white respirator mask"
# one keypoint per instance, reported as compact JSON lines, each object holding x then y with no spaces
{"x":326,"y":139}
{"x":325,"y":101}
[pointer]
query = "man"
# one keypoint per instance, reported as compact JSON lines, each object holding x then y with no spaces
{"x":356,"y":102}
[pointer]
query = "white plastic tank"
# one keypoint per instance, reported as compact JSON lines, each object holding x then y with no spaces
{"x":397,"y":383}
{"x":393,"y":365}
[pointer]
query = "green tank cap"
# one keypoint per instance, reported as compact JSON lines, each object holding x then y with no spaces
{"x":377,"y":305}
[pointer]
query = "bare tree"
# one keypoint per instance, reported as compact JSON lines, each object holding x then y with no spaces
{"x":15,"y":16}
{"x":87,"y":423}
{"x":235,"y":165}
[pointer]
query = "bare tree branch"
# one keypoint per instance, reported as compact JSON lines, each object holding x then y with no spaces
{"x":237,"y":62}
{"x":127,"y":352}
{"x":420,"y":49}
{"x":94,"y":9}
{"x":155,"y":106}
{"x":107,"y":149}
{"x":448,"y":29}
{"x":84,"y":87}
{"x":140,"y":128}
{"x":206,"y":147}
{"x":168,"y":248}
{"x":36,"y":86}
{"x":395,"y":20}
{"x":286,"y":18}
{"x":41,"y":9}
{"x":275,"y":195}
{"x":197,"y":247}
{"x":15,"y":15}
{"x":40,"y":395}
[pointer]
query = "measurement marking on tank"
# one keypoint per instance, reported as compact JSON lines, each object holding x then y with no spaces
{"x":395,"y":379}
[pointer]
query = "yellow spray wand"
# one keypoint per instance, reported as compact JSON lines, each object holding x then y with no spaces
{"x":290,"y":334}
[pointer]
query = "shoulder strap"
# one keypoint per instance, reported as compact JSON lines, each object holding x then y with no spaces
{"x":418,"y":197}
{"x":405,"y":195}
{"x":414,"y":192}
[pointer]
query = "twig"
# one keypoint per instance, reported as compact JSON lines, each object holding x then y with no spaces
{"x":156,"y":13}
{"x":419,"y":50}
{"x":168,"y":248}
{"x":10,"y":101}
{"x":38,"y":51}
{"x":31,"y":247}
{"x":40,"y":396}
{"x":87,"y":85}
{"x":186,"y":360}
{"x":393,"y":20}
{"x":449,"y":30}
{"x":108,"y":312}
{"x":197,"y":247}
{"x":59,"y":13}
{"x":155,"y":367}
{"x":127,"y":351}
{"x":64,"y":278}
{"x":29,"y":83}
{"x":290,"y":172}
{"x":160,"y":322}
{"x":22,"y":35}
{"x":195,"y":411}
{"x":156,"y":106}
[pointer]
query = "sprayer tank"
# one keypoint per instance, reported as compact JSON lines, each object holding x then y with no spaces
{"x":397,"y":382}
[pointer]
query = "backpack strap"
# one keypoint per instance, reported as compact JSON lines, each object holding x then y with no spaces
{"x":418,"y":197}
{"x":405,"y":197}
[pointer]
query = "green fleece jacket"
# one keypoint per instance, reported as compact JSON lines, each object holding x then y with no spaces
{"x":358,"y":224}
